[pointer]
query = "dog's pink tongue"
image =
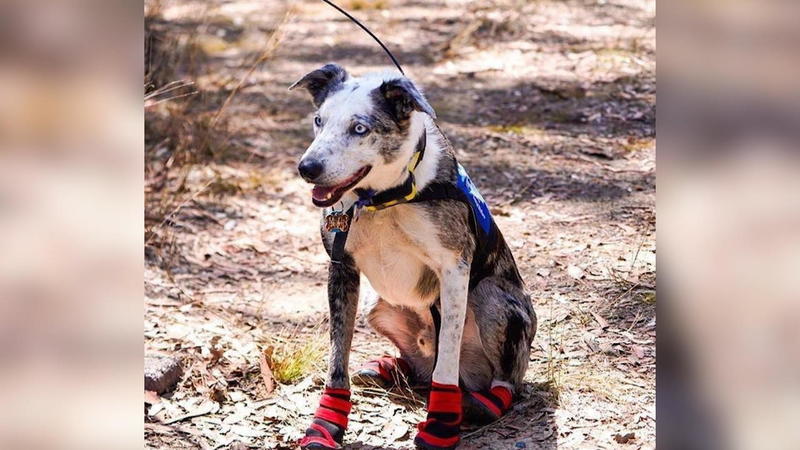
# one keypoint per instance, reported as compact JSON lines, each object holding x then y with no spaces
{"x":321,"y":192}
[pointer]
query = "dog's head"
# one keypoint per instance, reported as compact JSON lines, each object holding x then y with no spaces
{"x":364,"y":130}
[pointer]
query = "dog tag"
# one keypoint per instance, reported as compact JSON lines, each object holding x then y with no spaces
{"x":337,"y":221}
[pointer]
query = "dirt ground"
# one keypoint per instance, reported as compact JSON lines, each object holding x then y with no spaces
{"x":551,"y":107}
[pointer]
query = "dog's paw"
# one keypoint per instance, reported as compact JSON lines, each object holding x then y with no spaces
{"x":322,"y":434}
{"x":428,"y":444}
{"x":486,"y":406}
{"x":368,"y":378}
{"x":441,"y":430}
{"x":330,"y":421}
{"x":385,"y":373}
{"x":437,"y":436}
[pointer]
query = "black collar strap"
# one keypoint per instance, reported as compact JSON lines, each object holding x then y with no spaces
{"x":401,"y":193}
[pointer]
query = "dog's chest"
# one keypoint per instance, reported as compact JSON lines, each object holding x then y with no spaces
{"x":394,"y":251}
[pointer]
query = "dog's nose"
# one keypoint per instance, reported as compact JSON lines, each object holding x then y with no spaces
{"x":310,"y":169}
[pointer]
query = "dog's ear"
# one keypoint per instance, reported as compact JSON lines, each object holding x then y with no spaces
{"x":322,"y":82}
{"x":402,"y":97}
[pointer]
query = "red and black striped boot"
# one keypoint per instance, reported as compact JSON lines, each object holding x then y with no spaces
{"x":487,"y":406}
{"x":330,"y":421}
{"x":385,"y":372}
{"x":441,"y":430}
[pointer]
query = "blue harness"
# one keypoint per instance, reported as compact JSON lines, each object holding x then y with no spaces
{"x":480,"y":210}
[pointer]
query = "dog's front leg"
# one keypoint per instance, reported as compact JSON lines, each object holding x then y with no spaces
{"x":330,"y":420}
{"x":440,"y":430}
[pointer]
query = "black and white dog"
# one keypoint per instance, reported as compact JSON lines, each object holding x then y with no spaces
{"x":400,"y":209}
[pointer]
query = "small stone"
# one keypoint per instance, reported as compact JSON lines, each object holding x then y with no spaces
{"x":575,"y":272}
{"x":161,"y":373}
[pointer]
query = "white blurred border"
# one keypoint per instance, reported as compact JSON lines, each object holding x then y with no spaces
{"x":729,"y":225}
{"x":71,"y":225}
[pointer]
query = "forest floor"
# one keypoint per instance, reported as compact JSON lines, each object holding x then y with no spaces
{"x":551,"y":108}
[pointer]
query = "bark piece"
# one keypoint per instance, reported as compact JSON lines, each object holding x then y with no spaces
{"x":161,"y":373}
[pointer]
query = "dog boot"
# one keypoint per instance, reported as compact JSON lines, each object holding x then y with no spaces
{"x":330,"y":421}
{"x":384,"y":372}
{"x":441,"y":429}
{"x":487,"y":406}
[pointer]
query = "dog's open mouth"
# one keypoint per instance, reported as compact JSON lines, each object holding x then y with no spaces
{"x":323,"y":196}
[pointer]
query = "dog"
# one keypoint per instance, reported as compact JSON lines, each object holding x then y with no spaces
{"x":398,"y":208}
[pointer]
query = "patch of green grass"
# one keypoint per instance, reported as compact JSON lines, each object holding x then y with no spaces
{"x":648,"y":297}
{"x":606,"y":385}
{"x":210,"y":45}
{"x":224,"y":187}
{"x":637,"y":144}
{"x":359,"y":5}
{"x":293,"y":360}
{"x":516,"y":129}
{"x":612,"y":52}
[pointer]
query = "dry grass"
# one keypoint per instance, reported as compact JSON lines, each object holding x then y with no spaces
{"x":189,"y":137}
{"x":169,"y":56}
{"x":554,"y":370}
{"x":186,"y":124}
{"x":292,"y":359}
{"x":648,"y":298}
{"x":518,"y":129}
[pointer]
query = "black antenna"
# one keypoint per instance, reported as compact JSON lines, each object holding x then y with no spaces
{"x":369,"y":33}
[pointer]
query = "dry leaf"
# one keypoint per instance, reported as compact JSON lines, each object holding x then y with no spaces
{"x":395,"y":429}
{"x":266,"y":371}
{"x":239,"y":446}
{"x":600,"y":320}
{"x":218,"y":395}
{"x":624,"y":439}
{"x":608,"y":349}
{"x":246,"y":431}
{"x":151,"y":397}
{"x":591,"y":342}
{"x":216,"y":352}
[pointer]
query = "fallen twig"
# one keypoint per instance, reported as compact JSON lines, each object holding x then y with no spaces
{"x":200,"y":412}
{"x":486,"y":427}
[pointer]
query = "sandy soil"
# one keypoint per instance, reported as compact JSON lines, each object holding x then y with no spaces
{"x":551,"y":106}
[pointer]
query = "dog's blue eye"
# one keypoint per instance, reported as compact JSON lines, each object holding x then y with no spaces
{"x":318,"y":121}
{"x":360,"y":129}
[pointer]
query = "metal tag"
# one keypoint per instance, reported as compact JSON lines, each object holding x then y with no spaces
{"x":337,"y":221}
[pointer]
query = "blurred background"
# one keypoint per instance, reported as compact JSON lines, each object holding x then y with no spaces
{"x":728,"y":213}
{"x":551,"y":107}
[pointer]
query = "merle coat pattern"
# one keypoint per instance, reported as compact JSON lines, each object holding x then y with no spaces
{"x":414,"y":255}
